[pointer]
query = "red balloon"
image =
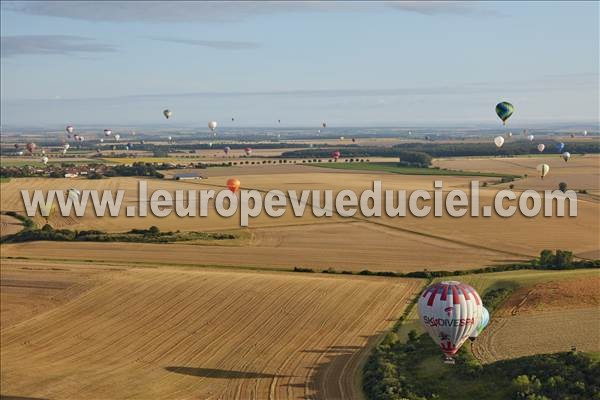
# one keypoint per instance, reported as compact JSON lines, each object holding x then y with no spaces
{"x":233,"y":184}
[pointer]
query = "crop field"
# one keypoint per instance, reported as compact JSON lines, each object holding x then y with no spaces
{"x":541,"y":290}
{"x":547,"y":317}
{"x":188,"y":333}
{"x":342,"y":243}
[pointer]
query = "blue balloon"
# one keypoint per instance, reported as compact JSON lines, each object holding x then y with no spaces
{"x":560,"y":147}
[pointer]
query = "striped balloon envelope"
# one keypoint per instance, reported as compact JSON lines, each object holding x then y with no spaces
{"x":450,"y":311}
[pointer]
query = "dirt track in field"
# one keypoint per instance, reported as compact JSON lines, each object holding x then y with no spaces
{"x":198,"y":334}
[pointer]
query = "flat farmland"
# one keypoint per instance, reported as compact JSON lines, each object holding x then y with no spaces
{"x":550,"y":316}
{"x":342,"y":243}
{"x":197,"y":334}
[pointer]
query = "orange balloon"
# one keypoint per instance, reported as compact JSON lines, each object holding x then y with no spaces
{"x":233,"y":184}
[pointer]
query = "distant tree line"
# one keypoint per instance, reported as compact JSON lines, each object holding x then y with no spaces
{"x":151,"y":235}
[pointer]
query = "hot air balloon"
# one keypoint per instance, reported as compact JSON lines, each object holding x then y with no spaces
{"x":572,"y":135}
{"x":43,"y":151}
{"x":278,"y":121}
{"x":584,"y":133}
{"x":167,"y":113}
{"x":566,"y":155}
{"x":233,"y":184}
{"x":169,"y":138}
{"x":16,"y":145}
{"x":81,"y":138}
{"x":45,"y":160}
{"x":66,"y":146}
{"x":73,"y":194}
{"x":335,"y":155}
{"x":232,"y":119}
{"x":117,"y":137}
{"x":541,"y":147}
{"x":210,"y":144}
{"x":101,"y":140}
{"x":133,"y":133}
{"x":69,"y":129}
{"x":20,"y":153}
{"x":142,"y":142}
{"x":324,"y":124}
{"x":498,"y":141}
{"x":30,"y":147}
{"x":485,"y":319}
{"x":509,"y":134}
{"x":248,"y":151}
{"x":560,"y":146}
{"x":410,"y":132}
{"x":107,"y":132}
{"x":504,"y":111}
{"x":212,"y":125}
{"x":129,"y":146}
{"x":530,"y":138}
{"x":543,"y":169}
{"x":226,"y":150}
{"x":353,"y":140}
{"x":450,"y":311}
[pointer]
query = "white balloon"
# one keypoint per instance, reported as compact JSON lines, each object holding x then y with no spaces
{"x":543,"y":170}
{"x":212,"y":125}
{"x":499,"y":141}
{"x":45,"y":160}
{"x":531,"y":137}
{"x":566,"y":156}
{"x":541,"y":147}
{"x":450,"y":311}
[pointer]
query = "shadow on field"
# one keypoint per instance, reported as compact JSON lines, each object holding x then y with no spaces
{"x":219,"y":373}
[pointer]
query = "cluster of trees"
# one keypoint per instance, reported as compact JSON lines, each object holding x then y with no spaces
{"x":447,"y":149}
{"x":394,"y":372}
{"x":510,"y":148}
{"x":414,"y":159}
{"x":548,"y":260}
{"x":136,"y":169}
{"x":151,"y":235}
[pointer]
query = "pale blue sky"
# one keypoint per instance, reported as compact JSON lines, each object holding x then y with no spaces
{"x":351,"y":64}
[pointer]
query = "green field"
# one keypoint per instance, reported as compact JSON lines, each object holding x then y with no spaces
{"x":393,"y":168}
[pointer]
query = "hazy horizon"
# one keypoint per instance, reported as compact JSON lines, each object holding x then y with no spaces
{"x":351,"y":64}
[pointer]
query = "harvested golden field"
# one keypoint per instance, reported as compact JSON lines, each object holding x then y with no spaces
{"x":344,"y":246}
{"x":547,"y":317}
{"x":431,"y":242}
{"x":9,"y":225}
{"x":199,"y":334}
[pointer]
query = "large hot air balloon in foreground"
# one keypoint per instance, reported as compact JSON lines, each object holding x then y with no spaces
{"x":504,"y":111}
{"x":233,"y":184}
{"x":483,"y":322}
{"x":543,"y":170}
{"x":450,"y":311}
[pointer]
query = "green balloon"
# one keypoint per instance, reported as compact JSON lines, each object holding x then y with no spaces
{"x":504,"y":110}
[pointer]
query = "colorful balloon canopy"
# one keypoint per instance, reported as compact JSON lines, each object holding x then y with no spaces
{"x":504,"y":110}
{"x":483,"y":322}
{"x":233,"y":184}
{"x":335,"y":155}
{"x":450,"y":312}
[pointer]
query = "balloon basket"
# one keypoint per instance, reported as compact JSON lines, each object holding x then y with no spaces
{"x":449,"y":360}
